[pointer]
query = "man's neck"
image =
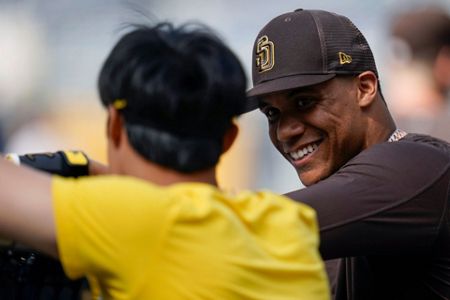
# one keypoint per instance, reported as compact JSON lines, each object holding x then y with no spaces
{"x":139,"y":167}
{"x":163,"y":176}
{"x":380,"y":125}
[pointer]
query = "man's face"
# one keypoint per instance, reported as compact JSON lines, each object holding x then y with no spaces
{"x":317,"y":128}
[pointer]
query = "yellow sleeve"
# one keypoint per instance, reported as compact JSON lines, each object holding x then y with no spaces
{"x":96,"y":217}
{"x":66,"y":234}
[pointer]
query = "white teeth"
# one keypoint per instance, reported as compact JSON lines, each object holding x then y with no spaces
{"x":303,"y":152}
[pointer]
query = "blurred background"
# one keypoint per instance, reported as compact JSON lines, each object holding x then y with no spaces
{"x":51,"y":53}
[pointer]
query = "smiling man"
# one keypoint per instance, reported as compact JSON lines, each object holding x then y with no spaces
{"x":332,"y":130}
{"x":381,"y":194}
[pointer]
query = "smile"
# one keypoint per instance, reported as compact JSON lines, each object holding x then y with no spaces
{"x":303,"y":152}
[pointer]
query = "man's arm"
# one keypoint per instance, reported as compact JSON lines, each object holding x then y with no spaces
{"x":26,"y":211}
{"x":388,"y":200}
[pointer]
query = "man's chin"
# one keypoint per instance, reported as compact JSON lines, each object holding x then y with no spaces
{"x":307,"y":180}
{"x":310,"y":177}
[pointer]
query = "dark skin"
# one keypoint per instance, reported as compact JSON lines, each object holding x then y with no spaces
{"x":321,"y":127}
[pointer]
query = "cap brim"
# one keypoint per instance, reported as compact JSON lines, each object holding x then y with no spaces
{"x":282,"y":84}
{"x":287,"y":83}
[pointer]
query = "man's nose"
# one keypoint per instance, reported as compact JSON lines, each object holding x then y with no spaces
{"x":289,"y":126}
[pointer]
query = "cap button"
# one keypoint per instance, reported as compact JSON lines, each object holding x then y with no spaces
{"x":298,"y":9}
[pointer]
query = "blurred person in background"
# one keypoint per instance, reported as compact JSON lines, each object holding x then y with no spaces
{"x":419,"y":83}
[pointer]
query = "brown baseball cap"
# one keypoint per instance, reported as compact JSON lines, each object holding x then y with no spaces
{"x":306,"y":47}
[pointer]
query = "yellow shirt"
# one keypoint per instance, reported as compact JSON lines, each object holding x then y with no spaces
{"x":186,"y":241}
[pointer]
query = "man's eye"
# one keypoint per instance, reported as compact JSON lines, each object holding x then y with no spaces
{"x":305,"y":103}
{"x":271,"y":113}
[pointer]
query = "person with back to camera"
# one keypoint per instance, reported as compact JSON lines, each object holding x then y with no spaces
{"x":381,"y":194}
{"x":158,"y":227}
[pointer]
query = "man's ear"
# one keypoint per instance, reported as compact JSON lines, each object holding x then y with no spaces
{"x":230,"y":137}
{"x":114,"y":126}
{"x":367,"y":88}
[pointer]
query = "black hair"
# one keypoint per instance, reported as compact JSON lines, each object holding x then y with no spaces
{"x":182,"y":86}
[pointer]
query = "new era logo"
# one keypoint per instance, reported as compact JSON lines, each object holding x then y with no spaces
{"x":265,"y":56}
{"x":344,"y":58}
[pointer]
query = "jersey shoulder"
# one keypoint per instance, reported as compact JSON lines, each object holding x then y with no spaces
{"x":413,"y":152}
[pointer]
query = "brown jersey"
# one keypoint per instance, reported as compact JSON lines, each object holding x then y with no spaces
{"x":385,"y":214}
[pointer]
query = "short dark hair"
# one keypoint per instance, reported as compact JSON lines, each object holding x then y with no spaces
{"x":182,"y":86}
